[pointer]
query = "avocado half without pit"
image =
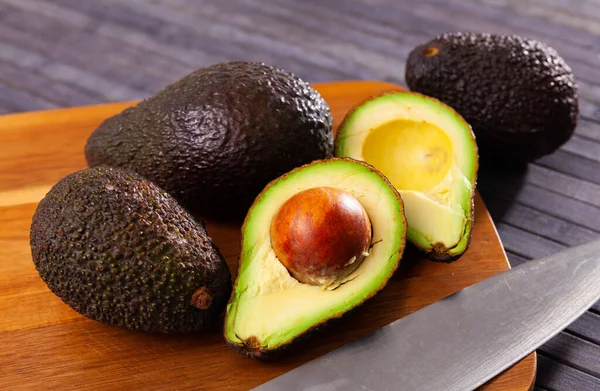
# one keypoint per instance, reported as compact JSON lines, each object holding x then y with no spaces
{"x":428,"y":152}
{"x":317,"y":242}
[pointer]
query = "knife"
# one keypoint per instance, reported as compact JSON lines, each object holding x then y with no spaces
{"x":466,"y":339}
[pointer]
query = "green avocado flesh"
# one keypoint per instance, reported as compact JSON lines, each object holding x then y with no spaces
{"x":269,"y":308}
{"x":429,"y":153}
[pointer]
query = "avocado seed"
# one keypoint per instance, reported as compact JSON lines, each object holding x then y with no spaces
{"x":321,"y":235}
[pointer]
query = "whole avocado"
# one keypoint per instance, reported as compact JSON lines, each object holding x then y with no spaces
{"x":217,"y":136}
{"x":518,"y":94}
{"x":119,"y":250}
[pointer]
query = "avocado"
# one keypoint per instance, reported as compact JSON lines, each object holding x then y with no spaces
{"x":119,"y":250}
{"x":217,"y":136}
{"x":428,"y":152}
{"x":518,"y":94}
{"x":270,"y":308}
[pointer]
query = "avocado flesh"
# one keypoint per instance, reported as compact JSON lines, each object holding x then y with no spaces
{"x":429,"y":153}
{"x":269,"y":308}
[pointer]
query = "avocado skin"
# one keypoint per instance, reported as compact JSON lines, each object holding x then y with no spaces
{"x":217,"y":136}
{"x":119,"y":250}
{"x":296,"y":345}
{"x":518,"y":94}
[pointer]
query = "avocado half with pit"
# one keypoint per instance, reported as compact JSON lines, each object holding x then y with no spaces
{"x":317,"y":242}
{"x":428,"y":152}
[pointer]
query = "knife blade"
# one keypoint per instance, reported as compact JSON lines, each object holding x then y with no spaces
{"x":464,"y":340}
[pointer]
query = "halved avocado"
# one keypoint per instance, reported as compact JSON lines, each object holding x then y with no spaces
{"x":269,"y":309}
{"x":428,"y":152}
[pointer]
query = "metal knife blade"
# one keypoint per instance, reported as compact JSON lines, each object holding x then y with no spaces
{"x":464,"y":340}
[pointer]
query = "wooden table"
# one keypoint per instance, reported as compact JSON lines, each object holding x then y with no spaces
{"x":57,"y":53}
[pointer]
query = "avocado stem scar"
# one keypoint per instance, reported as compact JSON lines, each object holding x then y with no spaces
{"x":431,"y":51}
{"x":202,"y":298}
{"x":252,"y":342}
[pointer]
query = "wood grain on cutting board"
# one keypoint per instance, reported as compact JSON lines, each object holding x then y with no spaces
{"x":46,"y":345}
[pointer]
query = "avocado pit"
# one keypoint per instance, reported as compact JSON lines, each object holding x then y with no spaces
{"x":321,"y":235}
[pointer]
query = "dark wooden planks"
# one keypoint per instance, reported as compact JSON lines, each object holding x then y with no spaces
{"x":586,"y":147}
{"x":54,"y":91}
{"x":575,"y":352}
{"x":588,"y":129}
{"x":114,"y":63}
{"x":515,"y":259}
{"x":553,"y":204}
{"x":70,"y":52}
{"x":529,"y":18}
{"x":58,"y":70}
{"x":345,"y":25}
{"x":539,"y":223}
{"x":553,"y":375}
{"x":584,"y":8}
{"x":588,"y":327}
{"x":18,"y":99}
{"x":572,"y":165}
{"x":205,"y":33}
{"x":526,"y":244}
{"x":574,"y":188}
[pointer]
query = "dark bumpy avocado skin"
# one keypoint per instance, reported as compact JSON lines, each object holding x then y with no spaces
{"x":119,"y":250}
{"x":216,"y":137}
{"x":518,"y":94}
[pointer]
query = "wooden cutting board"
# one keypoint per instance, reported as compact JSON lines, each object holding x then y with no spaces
{"x":46,"y":345}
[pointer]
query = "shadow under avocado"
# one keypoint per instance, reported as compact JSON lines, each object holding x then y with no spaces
{"x":499,"y":183}
{"x":411,"y":257}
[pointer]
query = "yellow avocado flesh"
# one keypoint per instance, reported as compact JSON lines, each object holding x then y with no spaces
{"x":414,"y":156}
{"x":429,"y":153}
{"x":269,"y":308}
